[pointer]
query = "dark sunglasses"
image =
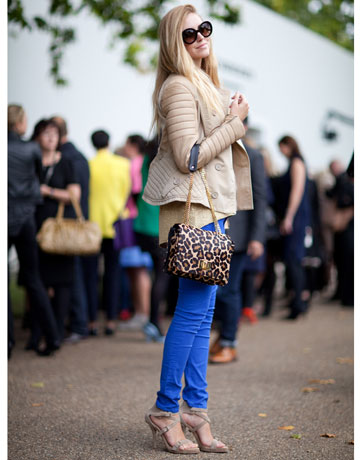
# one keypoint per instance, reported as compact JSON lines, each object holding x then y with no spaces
{"x":190,"y":35}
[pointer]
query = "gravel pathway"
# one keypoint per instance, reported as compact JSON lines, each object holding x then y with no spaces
{"x":87,"y":402}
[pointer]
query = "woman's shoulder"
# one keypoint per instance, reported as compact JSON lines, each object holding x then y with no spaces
{"x":176,"y":89}
{"x":296,"y":158}
{"x":297,"y":165}
{"x":61,"y":161}
{"x":174,"y":82}
{"x":174,"y":78}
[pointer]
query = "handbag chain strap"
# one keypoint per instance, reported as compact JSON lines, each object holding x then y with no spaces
{"x":186,"y":218}
{"x":216,"y":223}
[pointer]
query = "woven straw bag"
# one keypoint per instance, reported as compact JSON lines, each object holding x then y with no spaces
{"x":70,"y":237}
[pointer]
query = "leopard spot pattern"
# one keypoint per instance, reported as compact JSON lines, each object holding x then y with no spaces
{"x":200,"y":255}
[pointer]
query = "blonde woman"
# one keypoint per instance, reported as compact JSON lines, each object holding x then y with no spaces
{"x":191,"y":108}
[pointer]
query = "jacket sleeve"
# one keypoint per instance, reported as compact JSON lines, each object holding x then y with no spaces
{"x":179,"y":109}
{"x":124,"y":187}
{"x":257,"y":215}
{"x":37,"y":158}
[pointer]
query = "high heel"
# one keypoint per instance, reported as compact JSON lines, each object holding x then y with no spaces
{"x":202,"y":413}
{"x":293,"y":315}
{"x":49,"y":350}
{"x":160,"y":432}
{"x":152,"y":333}
{"x":109,"y":331}
{"x":31,"y":347}
{"x":93,"y":332}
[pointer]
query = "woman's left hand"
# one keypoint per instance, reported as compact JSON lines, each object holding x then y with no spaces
{"x":239,"y":106}
{"x":286,"y":226}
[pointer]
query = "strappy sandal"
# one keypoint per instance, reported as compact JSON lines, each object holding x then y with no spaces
{"x":202,"y":413}
{"x":160,"y":432}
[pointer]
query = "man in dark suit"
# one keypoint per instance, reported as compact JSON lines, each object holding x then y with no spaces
{"x":79,"y":161}
{"x":247,"y":230}
{"x":79,"y":306}
{"x":24,"y":166}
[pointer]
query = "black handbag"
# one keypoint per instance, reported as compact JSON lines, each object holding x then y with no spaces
{"x":197,"y":254}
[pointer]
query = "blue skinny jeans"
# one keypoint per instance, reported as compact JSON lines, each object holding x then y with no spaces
{"x":186,"y":348}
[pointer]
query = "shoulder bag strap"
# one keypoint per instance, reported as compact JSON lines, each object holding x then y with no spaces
{"x":192,"y":168}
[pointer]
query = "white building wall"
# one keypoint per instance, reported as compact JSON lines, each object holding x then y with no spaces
{"x":291,"y":77}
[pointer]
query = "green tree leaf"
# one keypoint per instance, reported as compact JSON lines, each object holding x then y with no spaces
{"x":137,"y":24}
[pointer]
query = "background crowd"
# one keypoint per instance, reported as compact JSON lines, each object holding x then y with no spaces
{"x":301,"y":223}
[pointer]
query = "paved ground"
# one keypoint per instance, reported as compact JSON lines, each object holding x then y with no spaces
{"x":88,"y":401}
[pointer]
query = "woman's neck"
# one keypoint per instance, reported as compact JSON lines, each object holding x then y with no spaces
{"x":48,"y":157}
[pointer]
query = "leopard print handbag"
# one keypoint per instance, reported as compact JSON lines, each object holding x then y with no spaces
{"x":197,"y":254}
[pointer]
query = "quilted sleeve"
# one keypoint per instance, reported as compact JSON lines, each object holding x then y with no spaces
{"x":179,"y":109}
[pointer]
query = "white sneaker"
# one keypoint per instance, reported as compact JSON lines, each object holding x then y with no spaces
{"x":136,"y":323}
{"x":74,"y":337}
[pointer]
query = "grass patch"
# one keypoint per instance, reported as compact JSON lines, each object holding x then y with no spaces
{"x":17,"y":295}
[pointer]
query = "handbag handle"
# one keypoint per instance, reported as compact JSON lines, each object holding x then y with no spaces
{"x":76,"y":206}
{"x":192,"y":167}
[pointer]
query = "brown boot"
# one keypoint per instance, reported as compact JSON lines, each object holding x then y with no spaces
{"x":215,"y":347}
{"x":224,"y":356}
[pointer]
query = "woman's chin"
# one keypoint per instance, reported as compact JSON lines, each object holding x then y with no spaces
{"x":203,"y":53}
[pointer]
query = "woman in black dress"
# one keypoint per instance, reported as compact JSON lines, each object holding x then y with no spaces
{"x":294,"y":214}
{"x":57,"y":182}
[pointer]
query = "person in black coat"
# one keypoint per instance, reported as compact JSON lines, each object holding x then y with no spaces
{"x":80,"y":163}
{"x":79,"y":305}
{"x":24,"y":167}
{"x":247,"y":230}
{"x":343,"y":195}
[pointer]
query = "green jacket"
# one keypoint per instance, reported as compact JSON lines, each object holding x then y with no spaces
{"x":147,"y":221}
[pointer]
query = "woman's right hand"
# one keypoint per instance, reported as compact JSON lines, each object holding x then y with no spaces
{"x":239,"y":106}
{"x":286,"y":226}
{"x":45,"y":190}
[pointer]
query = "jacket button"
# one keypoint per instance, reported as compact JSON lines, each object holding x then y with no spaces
{"x":218,"y":167}
{"x":214,"y":195}
{"x":176,"y":181}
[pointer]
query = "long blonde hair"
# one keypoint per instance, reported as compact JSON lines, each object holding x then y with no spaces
{"x":174,"y":58}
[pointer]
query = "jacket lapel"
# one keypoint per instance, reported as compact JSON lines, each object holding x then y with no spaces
{"x":208,"y":117}
{"x":225,"y":99}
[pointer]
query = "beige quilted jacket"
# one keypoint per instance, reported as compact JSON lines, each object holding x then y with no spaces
{"x":186,"y":120}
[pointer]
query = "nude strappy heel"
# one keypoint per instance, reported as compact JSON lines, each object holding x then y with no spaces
{"x":160,"y":432}
{"x":202,"y":413}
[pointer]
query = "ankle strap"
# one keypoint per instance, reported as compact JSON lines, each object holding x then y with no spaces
{"x":202,"y":413}
{"x":186,"y":409}
{"x":168,"y":427}
{"x":156,"y":412}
